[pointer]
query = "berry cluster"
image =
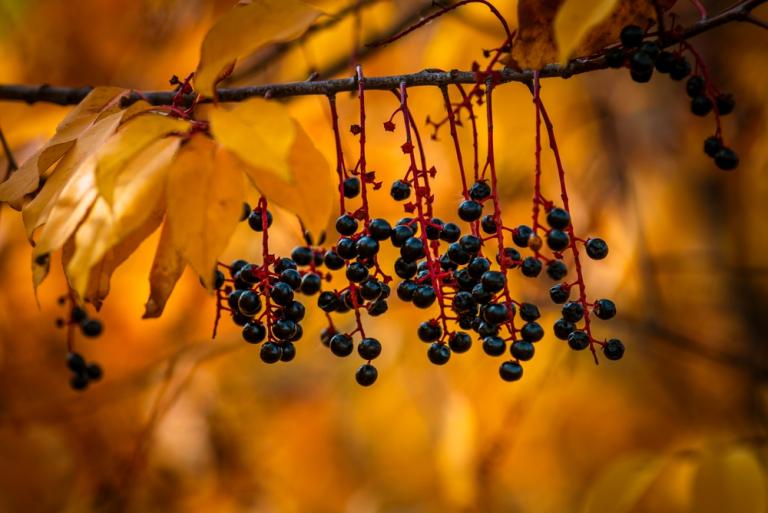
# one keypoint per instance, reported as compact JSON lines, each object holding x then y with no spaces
{"x":642,"y":56}
{"x":78,"y":319}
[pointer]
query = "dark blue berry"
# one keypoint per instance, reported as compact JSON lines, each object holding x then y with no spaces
{"x":459,"y":342}
{"x":429,"y":331}
{"x":563,"y":328}
{"x":573,"y":311}
{"x":557,"y":240}
{"x":254,"y":332}
{"x":614,"y":58}
{"x":724,"y":103}
{"x":531,"y":267}
{"x":695,"y":86}
{"x":493,"y":281}
{"x":511,"y":371}
{"x":521,"y":235}
{"x":578,"y":340}
{"x":346,"y":248}
{"x":479,"y":191}
{"x":726,"y":159}
{"x":560,"y":293}
{"x":529,"y":312}
{"x":341,"y":344}
{"x":75,"y":362}
{"x":406,"y":290}
{"x":488,"y":224}
{"x":310,"y":284}
{"x":351,"y":187}
{"x":366,"y":375}
{"x":450,"y":232}
{"x":631,"y":36}
{"x":288,"y":352}
{"x":255,"y":220}
{"x":291,"y":277}
{"x":613,"y":349}
{"x":367,"y":246}
{"x":522,"y":350}
{"x":532,"y":332}
{"x":328,"y":301}
{"x":333,"y":260}
{"x":270,"y":352}
{"x":597,"y":249}
{"x":701,"y":105}
{"x":302,"y":255}
{"x":439,"y":354}
{"x":369,"y":348}
{"x":91,"y":327}
{"x":379,"y":229}
{"x":400,"y":190}
{"x":248,"y":303}
{"x":346,"y":224}
{"x":424,"y":296}
{"x":470,"y":210}
{"x":558,"y":218}
{"x":604,"y":309}
{"x":284,"y":329}
{"x":478,"y":266}
{"x":494,"y":346}
{"x":556,"y":269}
{"x":413,"y":249}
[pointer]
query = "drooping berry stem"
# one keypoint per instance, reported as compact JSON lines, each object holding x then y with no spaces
{"x":341,"y":170}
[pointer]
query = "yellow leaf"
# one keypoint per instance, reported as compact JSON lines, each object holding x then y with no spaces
{"x":36,"y":212}
{"x":205,"y":201}
{"x":622,"y":484}
{"x":245,"y":29}
{"x":259,"y":132}
{"x":167,"y":268}
{"x":25,"y":180}
{"x":730,"y":480}
{"x":130,"y":139}
{"x":575,"y":19}
{"x":310,"y":194}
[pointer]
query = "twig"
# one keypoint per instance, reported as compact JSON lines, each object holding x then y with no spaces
{"x":72,"y":96}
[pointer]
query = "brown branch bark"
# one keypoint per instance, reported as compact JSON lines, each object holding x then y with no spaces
{"x":70,"y":96}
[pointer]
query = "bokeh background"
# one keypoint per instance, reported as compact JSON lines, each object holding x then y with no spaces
{"x":182,"y":423}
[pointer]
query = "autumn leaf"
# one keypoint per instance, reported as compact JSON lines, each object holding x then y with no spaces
{"x":730,"y":479}
{"x":622,"y":484}
{"x":259,"y":132}
{"x":245,"y":29}
{"x":26,"y":179}
{"x":130,"y":139}
{"x":205,"y":201}
{"x":575,"y":19}
{"x":167,"y":268}
{"x":37,"y":212}
{"x":309,"y":195}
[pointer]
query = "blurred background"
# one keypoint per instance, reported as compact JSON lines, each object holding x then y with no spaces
{"x":182,"y":423}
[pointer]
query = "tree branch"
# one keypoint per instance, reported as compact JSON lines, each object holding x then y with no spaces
{"x":71,"y":96}
{"x":12,"y":165}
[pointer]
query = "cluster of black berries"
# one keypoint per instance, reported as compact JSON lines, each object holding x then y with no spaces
{"x":82,"y":373}
{"x":642,"y":56}
{"x":78,"y":316}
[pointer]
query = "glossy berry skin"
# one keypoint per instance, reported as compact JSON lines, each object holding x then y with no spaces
{"x":521,"y":235}
{"x":614,"y":58}
{"x":556,"y":269}
{"x":367,"y":246}
{"x":726,"y":159}
{"x":380,"y":229}
{"x":246,"y":211}
{"x":378,"y":307}
{"x":650,"y":48}
{"x":333,"y":260}
{"x":405,"y":269}
{"x":77,"y":314}
{"x":701,"y":105}
{"x":341,"y":345}
{"x":597,"y":249}
{"x":218,"y":279}
{"x":495,"y":314}
{"x":511,"y":371}
{"x":328,"y":301}
{"x":370,"y":289}
{"x":613,"y":349}
{"x":412,"y":249}
{"x":434,"y":228}
{"x":248,"y":303}
{"x":369,"y":348}
{"x":494,"y":346}
{"x":559,"y":293}
{"x":563,"y":328}
{"x":522,"y":350}
{"x":604,"y":309}
{"x":429,"y":331}
{"x":459,"y":342}
{"x":284,"y":329}
{"x":665,"y":62}
{"x":240,"y":319}
{"x":270,"y":352}
{"x":288,"y":352}
{"x":400,"y":234}
{"x":406,"y":290}
{"x":488,"y":224}
{"x":91,"y":327}
{"x":712,"y":145}
{"x":557,"y":240}
{"x":478,"y":266}
{"x":573,"y":311}
{"x":578,"y":340}
{"x":254,"y":332}
{"x":641,"y":77}
{"x":532,"y":332}
{"x":284,"y":263}
{"x":292,"y":277}
{"x":457,"y":255}
{"x":470,"y":210}
{"x":302,"y":255}
{"x":255,"y":221}
{"x":493,"y":281}
{"x":400,"y":190}
{"x":439,"y":354}
{"x":631,"y":36}
{"x":294,"y":311}
{"x":281,"y":293}
{"x":351,"y":187}
{"x":366,"y":375}
{"x":346,"y":248}
{"x":558,"y":218}
{"x":424,"y":296}
{"x":531,"y":267}
{"x":310,"y":284}
{"x":479,"y":191}
{"x":724,"y":103}
{"x":695,"y":86}
{"x":346,"y":224}
{"x":450,"y":232}
{"x":529,"y":312}
{"x":641,"y":63}
{"x":470,"y":243}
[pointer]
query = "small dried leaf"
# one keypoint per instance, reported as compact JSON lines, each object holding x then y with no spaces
{"x":167,"y":268}
{"x":259,"y":132}
{"x":245,"y":29}
{"x":205,"y":201}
